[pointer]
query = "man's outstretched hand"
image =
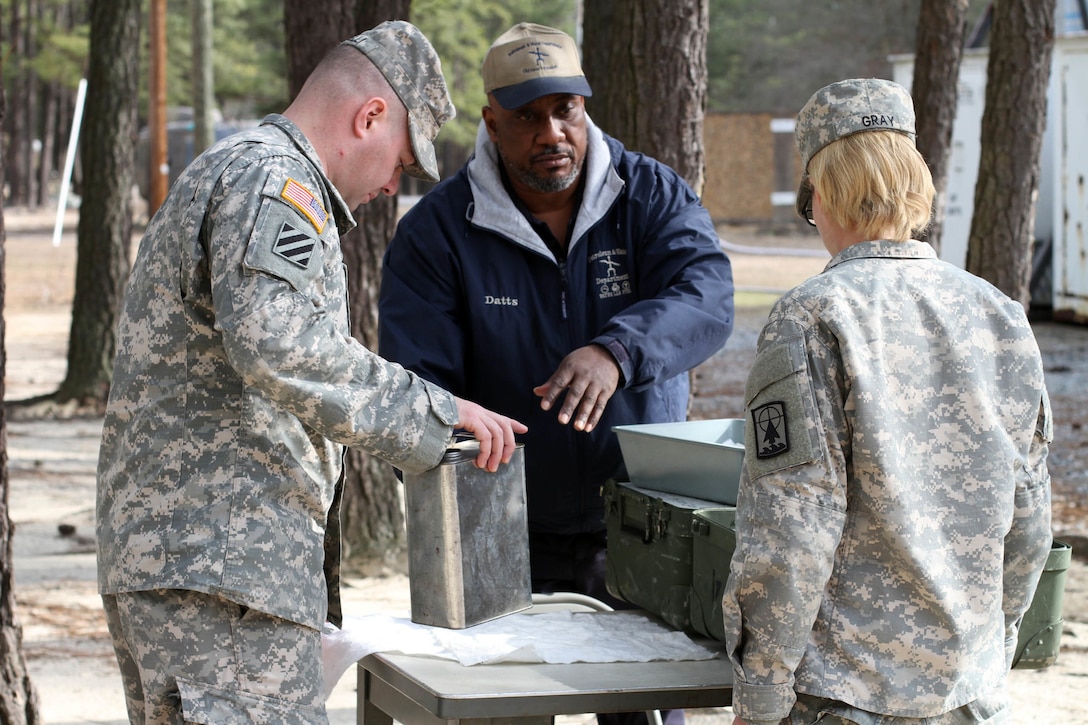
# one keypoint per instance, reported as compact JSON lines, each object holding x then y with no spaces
{"x":589,"y":375}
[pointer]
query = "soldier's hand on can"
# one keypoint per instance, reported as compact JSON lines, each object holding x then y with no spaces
{"x":494,"y":432}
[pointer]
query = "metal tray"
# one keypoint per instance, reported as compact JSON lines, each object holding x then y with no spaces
{"x":699,"y":458}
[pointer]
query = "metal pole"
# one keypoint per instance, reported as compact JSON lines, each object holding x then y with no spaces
{"x":69,"y":161}
{"x":160,"y":166}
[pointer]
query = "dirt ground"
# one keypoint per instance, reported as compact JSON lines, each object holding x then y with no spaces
{"x":51,"y":497}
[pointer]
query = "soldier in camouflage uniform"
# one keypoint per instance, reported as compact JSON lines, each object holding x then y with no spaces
{"x":894,"y":510}
{"x":237,"y":384}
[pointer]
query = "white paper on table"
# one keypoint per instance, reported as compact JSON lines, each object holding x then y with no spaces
{"x":550,"y":637}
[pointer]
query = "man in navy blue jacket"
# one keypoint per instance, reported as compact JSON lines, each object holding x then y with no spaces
{"x":563,"y":281}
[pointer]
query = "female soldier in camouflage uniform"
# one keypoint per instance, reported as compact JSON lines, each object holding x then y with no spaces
{"x":894,"y":511}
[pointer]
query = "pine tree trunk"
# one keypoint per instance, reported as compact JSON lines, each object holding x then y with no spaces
{"x":646,"y":63}
{"x":105,"y":219}
{"x":18,"y":698}
{"x":50,"y":92}
{"x":18,"y":156}
{"x":372,"y":515}
{"x":30,"y":111}
{"x":1002,"y":228}
{"x":310,"y":35}
{"x":942,"y":25}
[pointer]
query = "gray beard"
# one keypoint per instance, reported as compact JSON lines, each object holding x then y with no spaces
{"x":545,"y":185}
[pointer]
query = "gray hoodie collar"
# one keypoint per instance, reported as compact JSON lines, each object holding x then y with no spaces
{"x":493,"y":208}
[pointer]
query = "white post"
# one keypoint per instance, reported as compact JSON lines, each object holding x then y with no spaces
{"x":66,"y":179}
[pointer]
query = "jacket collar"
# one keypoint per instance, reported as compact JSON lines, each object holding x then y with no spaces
{"x":493,"y":209}
{"x":910,"y":249}
{"x":345,"y":220}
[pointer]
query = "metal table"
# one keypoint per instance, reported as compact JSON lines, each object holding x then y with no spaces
{"x":421,"y":690}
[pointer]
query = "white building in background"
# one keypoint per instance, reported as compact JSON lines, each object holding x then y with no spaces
{"x":1060,"y":278}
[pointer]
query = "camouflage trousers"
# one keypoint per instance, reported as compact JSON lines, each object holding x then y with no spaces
{"x":188,"y":657}
{"x":990,"y":709}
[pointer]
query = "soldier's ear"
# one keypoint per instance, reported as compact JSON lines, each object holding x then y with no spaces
{"x":371,"y":111}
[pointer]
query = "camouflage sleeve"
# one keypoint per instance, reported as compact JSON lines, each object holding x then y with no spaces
{"x":790,"y":515}
{"x":279,"y":292}
{"x":1028,"y":542}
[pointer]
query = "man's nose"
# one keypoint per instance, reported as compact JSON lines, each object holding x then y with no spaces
{"x":391,"y":186}
{"x":551,"y":131}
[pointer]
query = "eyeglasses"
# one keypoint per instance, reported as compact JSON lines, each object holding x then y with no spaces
{"x":804,"y":201}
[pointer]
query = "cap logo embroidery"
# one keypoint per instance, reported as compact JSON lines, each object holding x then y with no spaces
{"x":295,"y":246}
{"x":772,"y":435}
{"x":304,"y":200}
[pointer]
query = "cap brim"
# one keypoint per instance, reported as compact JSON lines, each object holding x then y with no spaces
{"x":516,"y":96}
{"x":426,"y":165}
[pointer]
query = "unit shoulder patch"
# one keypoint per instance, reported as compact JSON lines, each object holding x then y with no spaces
{"x":294,"y":245}
{"x":771,"y":429}
{"x":784,"y":428}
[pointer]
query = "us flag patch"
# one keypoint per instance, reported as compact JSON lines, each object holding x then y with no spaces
{"x":295,"y":246}
{"x":304,"y":200}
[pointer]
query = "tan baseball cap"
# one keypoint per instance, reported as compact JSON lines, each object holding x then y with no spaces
{"x":408,"y":61}
{"x":529,"y":61}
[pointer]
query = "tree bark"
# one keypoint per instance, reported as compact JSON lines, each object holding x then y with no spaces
{"x":18,"y":698}
{"x":371,"y":513}
{"x":942,"y":25}
{"x":46,"y":167}
{"x":1000,"y":246}
{"x":18,"y":157}
{"x":310,"y":35}
{"x":104,"y":231}
{"x":646,"y":63}
{"x":32,"y":21}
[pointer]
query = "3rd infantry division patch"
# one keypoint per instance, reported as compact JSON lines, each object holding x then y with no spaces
{"x":294,"y":245}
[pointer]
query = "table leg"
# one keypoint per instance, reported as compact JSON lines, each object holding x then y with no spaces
{"x":366,"y":712}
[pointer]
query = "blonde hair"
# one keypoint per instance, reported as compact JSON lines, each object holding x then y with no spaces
{"x":876,"y":183}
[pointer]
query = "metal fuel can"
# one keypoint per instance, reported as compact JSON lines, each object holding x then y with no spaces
{"x":468,"y":540}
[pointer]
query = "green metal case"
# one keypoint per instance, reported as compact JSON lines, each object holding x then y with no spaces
{"x":714,"y":538}
{"x":650,"y":539}
{"x":1040,"y":635}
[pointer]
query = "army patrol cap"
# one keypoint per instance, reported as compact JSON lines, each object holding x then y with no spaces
{"x":408,"y":61}
{"x":529,"y":61}
{"x":852,"y":106}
